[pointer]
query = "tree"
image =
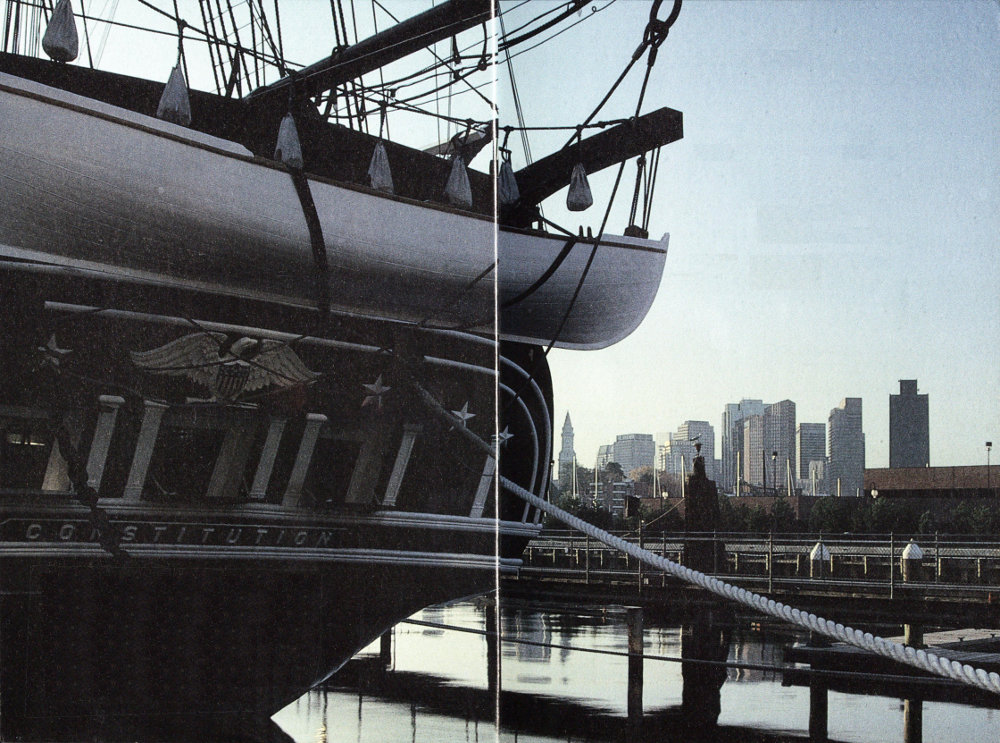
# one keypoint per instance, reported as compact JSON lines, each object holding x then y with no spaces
{"x":670,"y":484}
{"x":832,"y":515}
{"x":643,"y":479}
{"x":642,"y":475}
{"x":782,"y":516}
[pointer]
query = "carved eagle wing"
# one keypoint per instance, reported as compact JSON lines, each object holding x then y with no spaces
{"x":195,"y":356}
{"x":276,"y":363}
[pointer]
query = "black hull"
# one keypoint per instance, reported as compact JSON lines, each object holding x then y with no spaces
{"x":90,"y":646}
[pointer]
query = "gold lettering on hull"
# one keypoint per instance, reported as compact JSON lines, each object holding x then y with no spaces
{"x":160,"y":533}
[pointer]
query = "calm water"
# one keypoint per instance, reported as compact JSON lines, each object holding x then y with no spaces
{"x":438,"y":690}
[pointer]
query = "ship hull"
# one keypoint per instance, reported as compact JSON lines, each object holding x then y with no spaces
{"x":217,"y":558}
{"x":200,"y":632}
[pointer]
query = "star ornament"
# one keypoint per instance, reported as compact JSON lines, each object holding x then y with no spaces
{"x":503,"y":437}
{"x":52,"y":354}
{"x":463,"y":416}
{"x":375,"y":391}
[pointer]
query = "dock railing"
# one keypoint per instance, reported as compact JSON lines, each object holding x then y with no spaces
{"x":945,"y":560}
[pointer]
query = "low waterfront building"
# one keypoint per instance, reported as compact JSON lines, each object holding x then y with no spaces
{"x":974,"y":481}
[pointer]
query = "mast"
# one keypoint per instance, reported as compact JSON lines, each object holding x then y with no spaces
{"x":409,"y":36}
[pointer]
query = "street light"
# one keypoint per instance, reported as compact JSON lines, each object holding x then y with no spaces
{"x":774,"y":472}
{"x":989,"y":445}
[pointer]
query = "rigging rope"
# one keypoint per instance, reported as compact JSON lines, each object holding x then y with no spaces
{"x":518,"y":110}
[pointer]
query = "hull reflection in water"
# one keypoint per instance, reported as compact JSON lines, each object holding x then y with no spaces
{"x":437,"y":688}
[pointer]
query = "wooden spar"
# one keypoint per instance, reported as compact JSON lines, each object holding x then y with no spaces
{"x":544,"y":177}
{"x":411,"y":35}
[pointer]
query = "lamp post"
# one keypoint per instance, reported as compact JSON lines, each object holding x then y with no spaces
{"x":989,"y":445}
{"x":774,"y":472}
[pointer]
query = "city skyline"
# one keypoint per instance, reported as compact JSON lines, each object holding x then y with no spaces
{"x":834,"y":218}
{"x":778,"y":430}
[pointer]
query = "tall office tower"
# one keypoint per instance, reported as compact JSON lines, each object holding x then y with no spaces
{"x":779,"y":442}
{"x":909,"y":427}
{"x":605,"y":454}
{"x":846,"y":469}
{"x":690,"y":433}
{"x":663,"y":457}
{"x":810,"y":446}
{"x":732,"y":439}
{"x":566,"y":455}
{"x":752,"y":457}
{"x":634,"y":450}
{"x":676,"y":456}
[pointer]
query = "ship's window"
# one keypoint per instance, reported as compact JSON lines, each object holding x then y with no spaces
{"x":182,"y":463}
{"x":29,"y":457}
{"x":120,"y":453}
{"x":285,"y":460}
{"x":440,"y":479}
{"x":330,"y":472}
{"x":25,"y":448}
{"x":200,"y":453}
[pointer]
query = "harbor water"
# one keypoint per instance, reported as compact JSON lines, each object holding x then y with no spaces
{"x":437,"y":683}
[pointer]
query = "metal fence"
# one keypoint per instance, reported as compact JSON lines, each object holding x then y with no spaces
{"x":933,"y":560}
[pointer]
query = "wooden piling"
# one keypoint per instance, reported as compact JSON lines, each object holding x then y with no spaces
{"x":492,"y":647}
{"x":913,"y":721}
{"x":633,"y":621}
{"x":818,"y":710}
{"x":913,"y":635}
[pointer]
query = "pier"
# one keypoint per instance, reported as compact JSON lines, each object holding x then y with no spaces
{"x":864,"y":578}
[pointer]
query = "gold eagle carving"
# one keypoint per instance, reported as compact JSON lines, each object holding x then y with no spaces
{"x":227,"y":367}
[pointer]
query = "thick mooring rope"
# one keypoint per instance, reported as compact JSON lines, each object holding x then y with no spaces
{"x":922,"y":659}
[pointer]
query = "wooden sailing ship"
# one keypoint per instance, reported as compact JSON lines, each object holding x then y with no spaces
{"x":249,"y":399}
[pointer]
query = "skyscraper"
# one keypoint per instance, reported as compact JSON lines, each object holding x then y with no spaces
{"x":909,"y":427}
{"x":847,"y":448}
{"x":634,"y":450}
{"x":677,"y":454}
{"x":732,"y":439}
{"x":605,"y":454}
{"x":768,"y":439}
{"x":567,"y":456}
{"x":754,"y":454}
{"x":779,"y":439}
{"x":810,"y":446}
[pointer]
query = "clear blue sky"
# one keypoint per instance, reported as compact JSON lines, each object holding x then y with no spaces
{"x":833,"y":212}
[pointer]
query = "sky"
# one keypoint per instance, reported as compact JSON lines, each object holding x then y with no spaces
{"x":832,"y":207}
{"x":833,"y":214}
